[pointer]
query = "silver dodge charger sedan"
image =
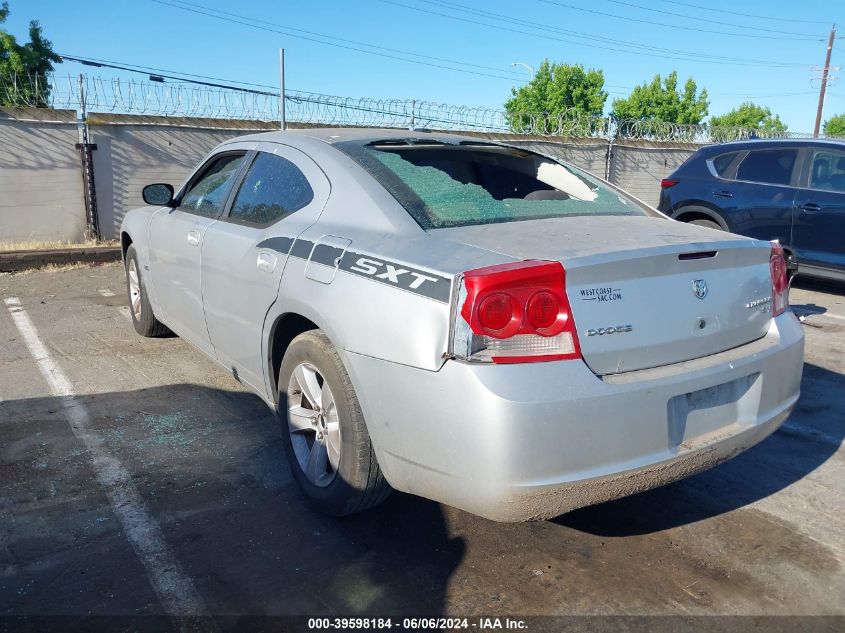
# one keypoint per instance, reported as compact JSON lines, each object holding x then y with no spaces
{"x":464,"y":320}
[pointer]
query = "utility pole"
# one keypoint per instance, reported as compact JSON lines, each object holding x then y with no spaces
{"x":823,"y":87}
{"x":282,"y":87}
{"x":86,"y":147}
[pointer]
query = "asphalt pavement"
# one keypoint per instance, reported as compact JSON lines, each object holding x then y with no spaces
{"x":139,"y":478}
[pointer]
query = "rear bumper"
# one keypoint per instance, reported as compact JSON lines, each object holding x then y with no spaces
{"x":518,"y":442}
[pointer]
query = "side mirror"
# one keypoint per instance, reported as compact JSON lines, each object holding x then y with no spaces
{"x":159,"y":195}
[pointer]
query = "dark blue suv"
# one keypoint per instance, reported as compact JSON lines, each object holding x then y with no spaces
{"x":790,"y":190}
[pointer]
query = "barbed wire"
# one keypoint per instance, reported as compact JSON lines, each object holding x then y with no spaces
{"x":194,"y":100}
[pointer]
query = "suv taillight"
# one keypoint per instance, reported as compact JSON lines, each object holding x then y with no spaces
{"x":515,"y":313}
{"x":780,"y":279}
{"x":666,"y":183}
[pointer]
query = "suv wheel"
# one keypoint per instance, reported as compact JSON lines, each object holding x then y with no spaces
{"x":710,"y":224}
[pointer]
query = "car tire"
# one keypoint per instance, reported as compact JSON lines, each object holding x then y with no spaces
{"x":140,"y":310}
{"x":710,"y":224}
{"x":324,"y":433}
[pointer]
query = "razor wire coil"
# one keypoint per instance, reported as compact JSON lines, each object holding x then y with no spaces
{"x":94,"y":94}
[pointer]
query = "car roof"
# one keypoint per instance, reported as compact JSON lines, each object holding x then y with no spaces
{"x":779,"y":142}
{"x":332,"y":135}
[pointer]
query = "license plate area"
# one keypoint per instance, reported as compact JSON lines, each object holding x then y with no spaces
{"x":705,"y":416}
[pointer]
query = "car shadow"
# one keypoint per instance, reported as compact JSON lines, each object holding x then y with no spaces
{"x":211,"y":470}
{"x":807,"y":440}
{"x":806,"y":309}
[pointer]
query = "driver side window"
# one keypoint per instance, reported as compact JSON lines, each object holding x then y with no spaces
{"x":207,"y":195}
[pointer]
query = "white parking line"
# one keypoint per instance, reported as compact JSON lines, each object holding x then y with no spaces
{"x":106,"y":292}
{"x":174,"y":588}
{"x":830,"y":315}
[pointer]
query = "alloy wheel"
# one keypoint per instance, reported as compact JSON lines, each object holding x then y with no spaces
{"x":313,"y":424}
{"x":135,"y":289}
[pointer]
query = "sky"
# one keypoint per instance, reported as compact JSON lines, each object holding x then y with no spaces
{"x":766,"y":51}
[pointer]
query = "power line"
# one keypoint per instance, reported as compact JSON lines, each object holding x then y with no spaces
{"x":754,"y":95}
{"x":312,"y":37}
{"x":461,"y":8}
{"x":284,"y":30}
{"x":145,"y":70}
{"x":717,"y":59}
{"x":185,"y":79}
{"x":802,"y":36}
{"x":745,"y":15}
{"x":454,"y":6}
{"x":641,"y":49}
{"x":670,"y":26}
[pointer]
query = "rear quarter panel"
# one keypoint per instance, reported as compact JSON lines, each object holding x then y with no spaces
{"x":389,"y":295}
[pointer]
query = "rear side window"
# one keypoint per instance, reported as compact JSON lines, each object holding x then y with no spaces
{"x":272,"y":188}
{"x":207,"y":194}
{"x":770,"y":166}
{"x":446,"y":185}
{"x":721,"y":164}
{"x":828,"y":171}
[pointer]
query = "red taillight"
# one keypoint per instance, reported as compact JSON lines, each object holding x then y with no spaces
{"x":542,"y":310}
{"x":668,"y":182}
{"x":496,"y":312}
{"x":517,"y":313}
{"x":780,"y":279}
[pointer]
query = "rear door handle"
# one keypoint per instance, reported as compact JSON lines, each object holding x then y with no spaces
{"x":724,"y":193}
{"x":194,"y":238}
{"x":811,"y":207}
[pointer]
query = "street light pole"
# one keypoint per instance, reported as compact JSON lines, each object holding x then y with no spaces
{"x":526,"y":66}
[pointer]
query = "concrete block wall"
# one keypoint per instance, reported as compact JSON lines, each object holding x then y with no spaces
{"x":635,"y":166}
{"x":590,"y":155}
{"x":128,"y":157}
{"x":41,"y":194}
{"x":638,"y":167}
{"x":41,"y":191}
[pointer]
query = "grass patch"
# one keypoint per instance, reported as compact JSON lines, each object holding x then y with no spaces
{"x":59,"y":268}
{"x":46,"y":245}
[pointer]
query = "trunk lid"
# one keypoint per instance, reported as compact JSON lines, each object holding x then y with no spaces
{"x":644,"y":292}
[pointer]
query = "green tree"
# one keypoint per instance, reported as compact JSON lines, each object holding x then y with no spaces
{"x":660,"y":100}
{"x":560,"y":98}
{"x":22,"y":67}
{"x":835,"y":125}
{"x":749,"y":116}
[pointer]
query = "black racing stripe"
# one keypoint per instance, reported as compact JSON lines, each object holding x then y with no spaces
{"x":302,"y":249}
{"x":326,"y":254}
{"x":426,"y":283}
{"x":420,"y":282}
{"x":278,"y":244}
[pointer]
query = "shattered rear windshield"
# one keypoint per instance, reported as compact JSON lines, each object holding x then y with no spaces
{"x":447,"y":185}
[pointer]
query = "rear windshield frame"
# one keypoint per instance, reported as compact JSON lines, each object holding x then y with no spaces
{"x":360,"y":151}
